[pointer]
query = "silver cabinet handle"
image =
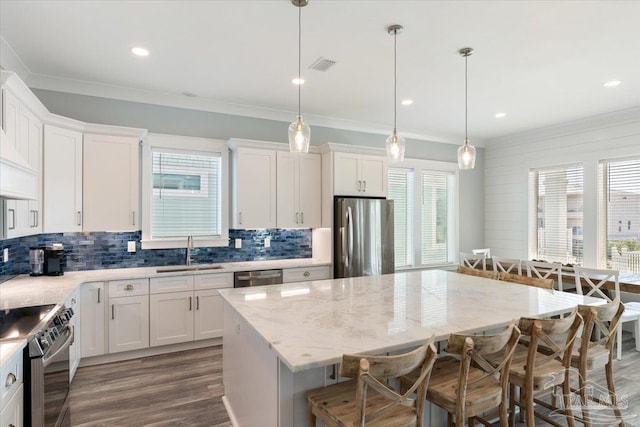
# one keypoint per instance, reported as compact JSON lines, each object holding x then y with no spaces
{"x":359,"y":185}
{"x":197,"y":303}
{"x":11,"y":379}
{"x":113,"y":311}
{"x":128,"y":287}
{"x":365,"y":186}
{"x":133,"y":218}
{"x":190,"y":303}
{"x":79,"y":218}
{"x":306,"y":274}
{"x":302,"y":217}
{"x":297,"y":214}
{"x":34,"y":218}
{"x":99,"y":289}
{"x":11,"y":218}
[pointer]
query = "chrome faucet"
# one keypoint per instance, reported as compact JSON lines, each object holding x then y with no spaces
{"x":189,"y":248}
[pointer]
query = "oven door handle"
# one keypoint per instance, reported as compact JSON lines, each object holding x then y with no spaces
{"x":46,"y":361}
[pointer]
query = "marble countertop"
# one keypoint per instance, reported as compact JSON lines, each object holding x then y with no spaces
{"x":311,"y":324}
{"x":9,"y":348}
{"x":25,"y":290}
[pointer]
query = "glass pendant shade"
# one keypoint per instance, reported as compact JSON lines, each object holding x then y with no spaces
{"x":466,"y":156}
{"x":395,"y":147}
{"x":299,"y":136}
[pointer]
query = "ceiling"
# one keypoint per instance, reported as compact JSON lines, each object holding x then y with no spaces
{"x":540,"y":62}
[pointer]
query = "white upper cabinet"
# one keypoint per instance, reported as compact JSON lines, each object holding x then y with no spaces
{"x":110,"y":183}
{"x":62,"y":180}
{"x":298,"y":190}
{"x":254,"y":184}
{"x":359,"y":175}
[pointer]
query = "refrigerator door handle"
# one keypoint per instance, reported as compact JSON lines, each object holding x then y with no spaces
{"x":349,"y":251}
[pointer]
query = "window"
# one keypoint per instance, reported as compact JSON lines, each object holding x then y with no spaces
{"x":184,"y":192}
{"x":557,"y":214}
{"x":619,"y":233}
{"x":424,"y":195}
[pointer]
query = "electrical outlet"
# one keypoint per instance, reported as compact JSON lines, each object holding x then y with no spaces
{"x":5,"y":255}
{"x":131,"y":246}
{"x":267,"y":242}
{"x":238,"y":243}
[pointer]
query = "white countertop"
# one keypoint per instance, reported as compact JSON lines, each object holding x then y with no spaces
{"x":9,"y":348}
{"x":312,"y":324}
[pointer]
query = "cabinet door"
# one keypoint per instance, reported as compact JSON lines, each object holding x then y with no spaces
{"x":62,"y":180}
{"x":171,"y":320}
{"x":373,"y":174}
{"x":346,"y":181}
{"x":73,"y":302}
{"x":310,"y":174}
{"x":92,"y":319}
{"x":110,"y":183}
{"x":208,"y":314}
{"x":287,"y":190}
{"x":128,"y":323}
{"x":255,"y":196}
{"x":11,"y":112}
{"x":12,"y":414}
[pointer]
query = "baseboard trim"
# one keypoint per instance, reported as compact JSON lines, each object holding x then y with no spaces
{"x":232,"y":417}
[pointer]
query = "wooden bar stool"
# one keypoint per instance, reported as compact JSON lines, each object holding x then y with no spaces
{"x":368,"y":399}
{"x":479,"y":273}
{"x":534,"y":371}
{"x":468,"y":386}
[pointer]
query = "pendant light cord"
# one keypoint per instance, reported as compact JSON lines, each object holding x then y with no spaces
{"x":299,"y":54}
{"x":395,"y":81}
{"x":466,"y":137}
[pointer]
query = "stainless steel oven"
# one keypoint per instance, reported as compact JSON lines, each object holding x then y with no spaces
{"x":47,"y":373}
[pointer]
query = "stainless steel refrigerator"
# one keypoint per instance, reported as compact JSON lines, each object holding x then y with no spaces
{"x":363,"y":237}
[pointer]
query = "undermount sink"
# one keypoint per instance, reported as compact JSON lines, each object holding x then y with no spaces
{"x":177,"y":268}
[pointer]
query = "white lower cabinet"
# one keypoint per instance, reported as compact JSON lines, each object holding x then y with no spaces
{"x":12,"y":414}
{"x":92,"y":319}
{"x":208,"y":315}
{"x":73,"y":302}
{"x":128,"y":315}
{"x":171,"y":320}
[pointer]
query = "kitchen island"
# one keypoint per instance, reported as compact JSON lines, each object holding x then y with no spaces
{"x":280,"y":341}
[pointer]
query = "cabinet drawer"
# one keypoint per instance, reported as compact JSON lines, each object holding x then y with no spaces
{"x":304,"y":274}
{"x":127,"y":288}
{"x":162,"y":285}
{"x":10,"y":377}
{"x":213,"y":281}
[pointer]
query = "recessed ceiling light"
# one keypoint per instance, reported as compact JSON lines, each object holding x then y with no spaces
{"x":407,"y":101}
{"x":139,"y":51}
{"x":612,"y":83}
{"x":297,"y":81}
{"x":500,"y":115}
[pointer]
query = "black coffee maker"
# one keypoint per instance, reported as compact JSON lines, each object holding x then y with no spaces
{"x":53,"y":256}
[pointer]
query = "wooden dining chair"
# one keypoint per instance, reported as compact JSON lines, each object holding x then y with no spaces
{"x":526,"y":280}
{"x":539,"y":372}
{"x":477,"y":261}
{"x":368,"y":400}
{"x":468,"y":385}
{"x":594,"y":279}
{"x":479,"y":273}
{"x":545,"y":270}
{"x":507,"y":265}
{"x":600,"y":321}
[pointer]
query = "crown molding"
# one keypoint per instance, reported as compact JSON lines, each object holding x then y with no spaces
{"x":333,"y":147}
{"x":235,"y":143}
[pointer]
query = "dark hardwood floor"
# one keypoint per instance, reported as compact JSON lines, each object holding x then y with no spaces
{"x":185,"y":389}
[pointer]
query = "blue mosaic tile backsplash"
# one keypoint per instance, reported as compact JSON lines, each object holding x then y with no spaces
{"x":99,"y":250}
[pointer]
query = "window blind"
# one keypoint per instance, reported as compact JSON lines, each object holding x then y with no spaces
{"x":620,"y":214}
{"x":558,"y":215}
{"x":434,"y":215}
{"x":186,"y":196}
{"x":400,"y":190}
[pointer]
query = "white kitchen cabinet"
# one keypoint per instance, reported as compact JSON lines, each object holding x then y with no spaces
{"x":92,"y":319}
{"x":304,"y":274}
{"x":254,"y":195}
{"x":75,"y":353}
{"x":298,"y":190}
{"x":207,"y":315}
{"x":62,"y":180}
{"x":13,"y":413}
{"x":110,"y":183}
{"x":359,"y":175}
{"x":128,"y":323}
{"x":171,"y":318}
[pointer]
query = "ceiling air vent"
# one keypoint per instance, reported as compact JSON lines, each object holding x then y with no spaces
{"x":322,"y":64}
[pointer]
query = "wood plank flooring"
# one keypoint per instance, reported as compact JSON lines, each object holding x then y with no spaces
{"x":185,"y":389}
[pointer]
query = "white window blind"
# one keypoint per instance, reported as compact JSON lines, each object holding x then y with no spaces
{"x":434,"y":217}
{"x":620,"y":215}
{"x":400,"y":187}
{"x":186,"y":197}
{"x":557,"y":214}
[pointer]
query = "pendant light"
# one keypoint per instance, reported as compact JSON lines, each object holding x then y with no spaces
{"x":466,"y":152}
{"x":299,"y":132}
{"x":395,"y":143}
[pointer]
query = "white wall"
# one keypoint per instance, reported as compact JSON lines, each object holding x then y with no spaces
{"x":509,"y":159}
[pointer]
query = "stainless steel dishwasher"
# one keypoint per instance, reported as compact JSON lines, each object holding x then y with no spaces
{"x":243,"y":279}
